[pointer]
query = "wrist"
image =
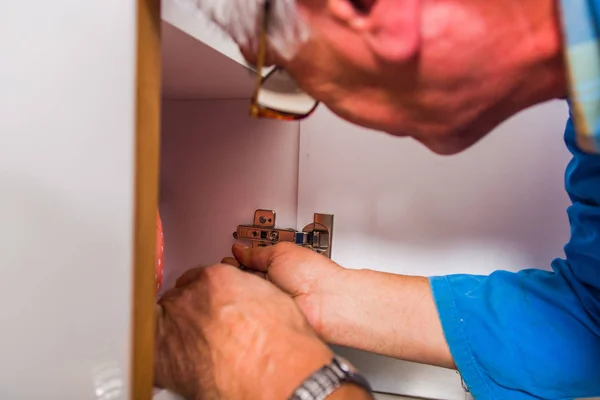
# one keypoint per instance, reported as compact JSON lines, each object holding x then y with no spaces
{"x":331,"y":378}
{"x":379,"y":312}
{"x":340,"y":304}
{"x":289,"y":363}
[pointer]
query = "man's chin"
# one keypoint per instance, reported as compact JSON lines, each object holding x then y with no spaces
{"x":442,"y":146}
{"x":448,"y":146}
{"x":399,"y":134}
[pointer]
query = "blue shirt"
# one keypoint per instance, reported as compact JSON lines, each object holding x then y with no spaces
{"x":535,"y":334}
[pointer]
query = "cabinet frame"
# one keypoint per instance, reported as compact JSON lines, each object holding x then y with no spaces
{"x":147,"y":150}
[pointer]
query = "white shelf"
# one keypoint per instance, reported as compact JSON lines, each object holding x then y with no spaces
{"x":192,"y":22}
{"x":199,"y":60}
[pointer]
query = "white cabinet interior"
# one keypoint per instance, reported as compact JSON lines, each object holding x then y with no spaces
{"x":397,"y":207}
{"x":194,"y":70}
{"x":218,"y":166}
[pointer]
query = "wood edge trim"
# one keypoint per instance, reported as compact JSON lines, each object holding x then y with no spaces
{"x":147,"y":153}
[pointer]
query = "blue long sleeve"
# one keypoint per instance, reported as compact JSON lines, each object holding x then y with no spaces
{"x":534,"y":334}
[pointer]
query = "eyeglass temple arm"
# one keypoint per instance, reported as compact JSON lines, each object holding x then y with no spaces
{"x":262,"y":47}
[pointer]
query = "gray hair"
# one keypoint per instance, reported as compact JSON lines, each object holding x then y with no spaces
{"x":241,"y":19}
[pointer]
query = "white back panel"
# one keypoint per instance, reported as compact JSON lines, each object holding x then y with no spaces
{"x":399,"y":208}
{"x":218,"y":166}
{"x":67,"y":94}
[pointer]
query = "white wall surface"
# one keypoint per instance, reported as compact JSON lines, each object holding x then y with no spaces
{"x":66,"y":202}
{"x":401,"y":208}
{"x":218,"y":166}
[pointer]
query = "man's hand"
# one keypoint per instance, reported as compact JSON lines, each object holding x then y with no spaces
{"x":312,"y":280}
{"x":389,"y":314}
{"x":225,"y":334}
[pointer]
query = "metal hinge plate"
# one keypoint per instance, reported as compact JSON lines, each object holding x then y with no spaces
{"x":316,"y":236}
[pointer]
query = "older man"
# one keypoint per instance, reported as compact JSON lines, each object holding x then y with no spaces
{"x":444,"y":72}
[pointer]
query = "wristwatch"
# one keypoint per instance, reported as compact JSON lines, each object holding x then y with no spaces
{"x":329,"y":378}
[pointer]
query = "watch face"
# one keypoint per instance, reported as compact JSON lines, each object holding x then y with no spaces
{"x":344,"y":364}
{"x":351,"y":373}
{"x":328,"y":378}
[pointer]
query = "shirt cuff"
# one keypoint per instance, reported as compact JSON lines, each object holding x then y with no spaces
{"x":452,"y":324}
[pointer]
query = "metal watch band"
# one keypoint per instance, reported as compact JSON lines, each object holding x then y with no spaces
{"x":327,"y":379}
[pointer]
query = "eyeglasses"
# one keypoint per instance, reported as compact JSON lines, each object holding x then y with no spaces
{"x":277,"y":96}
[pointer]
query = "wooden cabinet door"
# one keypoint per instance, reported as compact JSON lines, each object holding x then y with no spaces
{"x":399,"y":208}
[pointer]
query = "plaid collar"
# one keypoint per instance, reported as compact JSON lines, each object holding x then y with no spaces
{"x":580,"y":21}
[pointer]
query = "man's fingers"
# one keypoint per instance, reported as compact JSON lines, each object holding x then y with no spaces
{"x":188,"y":277}
{"x":231,"y":261}
{"x":262,"y":275}
{"x":256,"y":258}
{"x":235,"y":263}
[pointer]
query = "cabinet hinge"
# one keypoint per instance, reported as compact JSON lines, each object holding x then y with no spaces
{"x":316,"y":236}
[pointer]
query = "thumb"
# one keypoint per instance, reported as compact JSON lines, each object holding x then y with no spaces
{"x":256,"y":258}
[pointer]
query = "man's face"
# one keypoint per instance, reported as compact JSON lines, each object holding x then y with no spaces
{"x":444,"y":72}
